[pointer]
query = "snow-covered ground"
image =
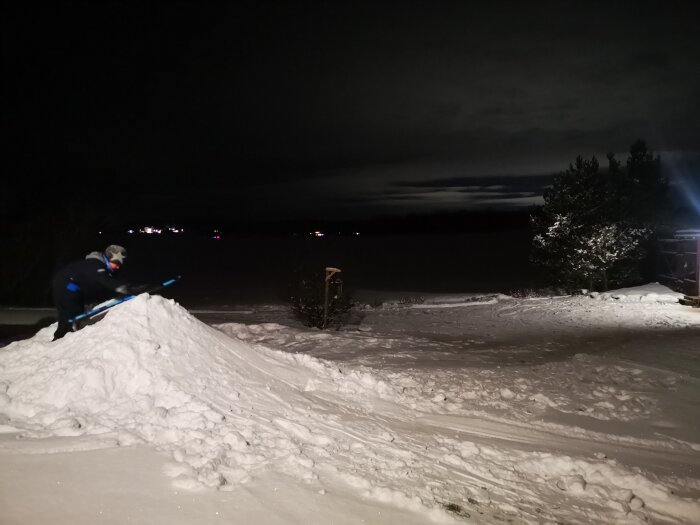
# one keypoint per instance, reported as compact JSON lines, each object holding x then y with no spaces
{"x":437,"y":408}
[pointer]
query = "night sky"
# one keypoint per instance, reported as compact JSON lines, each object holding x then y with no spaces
{"x":288,"y":110}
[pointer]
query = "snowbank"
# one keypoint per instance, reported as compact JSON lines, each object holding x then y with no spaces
{"x":649,"y":293}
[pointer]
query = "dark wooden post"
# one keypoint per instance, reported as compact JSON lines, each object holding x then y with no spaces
{"x":697,"y":268}
{"x":330,"y":272}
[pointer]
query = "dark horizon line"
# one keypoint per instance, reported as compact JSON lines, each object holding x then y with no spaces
{"x":426,"y":222}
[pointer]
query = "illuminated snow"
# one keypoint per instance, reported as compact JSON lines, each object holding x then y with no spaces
{"x":532,"y":410}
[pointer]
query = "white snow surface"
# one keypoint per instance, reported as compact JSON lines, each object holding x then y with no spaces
{"x":454,"y":408}
{"x":650,"y":293}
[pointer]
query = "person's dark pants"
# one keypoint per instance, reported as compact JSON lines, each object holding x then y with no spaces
{"x":68,"y":304}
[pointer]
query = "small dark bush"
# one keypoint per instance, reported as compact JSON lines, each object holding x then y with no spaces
{"x":307,"y":295}
{"x":552,"y":291}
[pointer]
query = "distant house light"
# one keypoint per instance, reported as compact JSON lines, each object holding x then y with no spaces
{"x":317,"y":234}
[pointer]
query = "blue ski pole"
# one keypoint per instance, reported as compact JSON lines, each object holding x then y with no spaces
{"x":115,"y":302}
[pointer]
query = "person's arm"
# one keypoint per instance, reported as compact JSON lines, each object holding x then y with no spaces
{"x":107,"y":280}
{"x":111,"y":282}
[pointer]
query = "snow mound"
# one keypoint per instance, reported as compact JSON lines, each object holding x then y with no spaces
{"x":225,"y":410}
{"x":150,"y":372}
{"x":648,"y":293}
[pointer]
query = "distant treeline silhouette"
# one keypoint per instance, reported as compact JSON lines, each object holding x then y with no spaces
{"x":468,"y":221}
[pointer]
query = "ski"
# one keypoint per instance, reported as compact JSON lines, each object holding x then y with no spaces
{"x":114,"y":302}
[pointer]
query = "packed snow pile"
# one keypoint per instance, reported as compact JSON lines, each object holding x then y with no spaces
{"x":151,"y":372}
{"x":649,"y":293}
{"x":433,"y":300}
{"x":226,"y":406}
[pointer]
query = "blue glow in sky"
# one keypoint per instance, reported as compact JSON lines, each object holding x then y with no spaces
{"x":683,"y":170}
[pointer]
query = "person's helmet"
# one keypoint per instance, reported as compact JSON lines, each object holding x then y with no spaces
{"x":116,"y":254}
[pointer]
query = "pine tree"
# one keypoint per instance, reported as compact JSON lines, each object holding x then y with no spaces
{"x":594,"y":226}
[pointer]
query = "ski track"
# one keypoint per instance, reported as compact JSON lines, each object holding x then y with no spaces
{"x":659,"y":452}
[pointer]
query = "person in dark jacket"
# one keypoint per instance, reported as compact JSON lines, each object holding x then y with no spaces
{"x":88,"y":281}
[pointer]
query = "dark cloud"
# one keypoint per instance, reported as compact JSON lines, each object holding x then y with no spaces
{"x":503,"y":196}
{"x":516,"y":183}
{"x":301,"y":104}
